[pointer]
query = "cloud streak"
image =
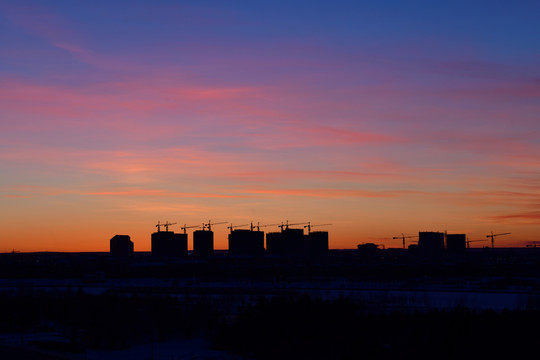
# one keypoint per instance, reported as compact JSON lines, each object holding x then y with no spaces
{"x":162,"y":108}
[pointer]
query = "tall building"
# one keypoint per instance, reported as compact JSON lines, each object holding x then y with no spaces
{"x":317,"y":242}
{"x":288,"y":242}
{"x":167,"y":244}
{"x":121,"y":246}
{"x":275,"y":244}
{"x":203,"y":243}
{"x":246,"y":242}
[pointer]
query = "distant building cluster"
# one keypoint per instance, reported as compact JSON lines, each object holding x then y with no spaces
{"x":434,"y":244}
{"x":288,"y":242}
{"x":242,"y":242}
{"x":431,"y":244}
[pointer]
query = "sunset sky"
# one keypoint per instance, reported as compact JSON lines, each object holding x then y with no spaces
{"x":378,"y":117}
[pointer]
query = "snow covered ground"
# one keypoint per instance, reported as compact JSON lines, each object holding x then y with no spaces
{"x":394,"y":295}
{"x":171,"y":350}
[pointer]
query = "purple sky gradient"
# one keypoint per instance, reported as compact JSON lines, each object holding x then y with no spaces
{"x":378,"y":117}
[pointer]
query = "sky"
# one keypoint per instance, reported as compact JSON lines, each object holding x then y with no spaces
{"x":377,"y":117}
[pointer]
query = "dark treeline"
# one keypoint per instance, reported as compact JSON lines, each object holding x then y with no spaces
{"x":106,"y":321}
{"x":343,"y":264}
{"x":267,"y":328}
{"x":315,"y":329}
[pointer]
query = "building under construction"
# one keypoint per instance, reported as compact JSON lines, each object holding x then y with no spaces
{"x":203,"y":243}
{"x":317,"y":242}
{"x":167,"y":244}
{"x":293,"y":242}
{"x":246,"y":242}
{"x":288,"y":242}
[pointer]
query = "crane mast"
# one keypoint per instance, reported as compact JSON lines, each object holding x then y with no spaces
{"x":260,"y":226}
{"x":492,"y":236}
{"x":403,"y":237}
{"x":209,"y":225}
{"x":286,"y":225}
{"x":189,"y":227}
{"x":309,"y":226}
{"x":235,"y":226}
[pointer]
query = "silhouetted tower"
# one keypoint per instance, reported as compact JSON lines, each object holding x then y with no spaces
{"x":246,"y":242}
{"x":430,"y":244}
{"x":288,"y":242}
{"x":203,"y":243}
{"x":167,"y":244}
{"x":203,"y":240}
{"x":275,"y":244}
{"x":317,"y":241}
{"x":121,"y":246}
{"x":456,"y":243}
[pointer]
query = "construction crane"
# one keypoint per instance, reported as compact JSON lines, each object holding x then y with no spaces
{"x":159,"y":225}
{"x":470,"y":241}
{"x":286,"y":226}
{"x":403,"y":237}
{"x":189,"y":227}
{"x":492,"y":236}
{"x":260,"y":226}
{"x":167,"y":224}
{"x":235,"y":226}
{"x":309,"y":226}
{"x":209,"y":225}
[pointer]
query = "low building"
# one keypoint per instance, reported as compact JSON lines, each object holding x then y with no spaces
{"x":121,"y":246}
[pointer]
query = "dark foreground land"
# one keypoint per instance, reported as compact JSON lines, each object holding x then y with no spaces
{"x":344,"y":306}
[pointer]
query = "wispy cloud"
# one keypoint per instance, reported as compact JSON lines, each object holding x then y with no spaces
{"x":160,"y":193}
{"x":532,"y":218}
{"x":326,"y":193}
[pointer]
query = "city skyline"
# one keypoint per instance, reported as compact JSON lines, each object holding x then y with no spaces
{"x":380,"y":118}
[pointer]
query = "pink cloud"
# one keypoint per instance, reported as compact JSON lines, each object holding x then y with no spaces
{"x":532,"y":218}
{"x":325,"y":193}
{"x":160,"y":193}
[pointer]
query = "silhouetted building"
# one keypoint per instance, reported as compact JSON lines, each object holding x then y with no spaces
{"x":121,"y":246}
{"x":413,"y":248}
{"x":368,"y":249}
{"x":317,"y":242}
{"x":246,"y":242}
{"x":168,"y":244}
{"x":203,"y":243}
{"x":295,"y":242}
{"x":275,"y":244}
{"x":288,"y":242}
{"x":456,"y":243}
{"x":430,"y":244}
